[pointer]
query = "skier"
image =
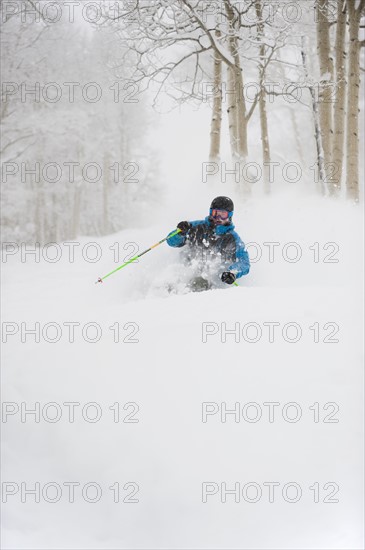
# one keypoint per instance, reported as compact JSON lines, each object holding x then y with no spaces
{"x":213,"y":248}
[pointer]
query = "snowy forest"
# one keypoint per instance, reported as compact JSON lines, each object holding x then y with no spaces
{"x":83,"y":85}
{"x":182,"y":192}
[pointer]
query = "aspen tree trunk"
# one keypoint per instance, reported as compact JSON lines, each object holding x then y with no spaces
{"x":352,"y":183}
{"x":76,"y":211}
{"x":265,"y":142}
{"x":339,"y":109}
{"x":54,"y":232}
{"x":235,"y":78}
{"x":298,"y":141}
{"x":106,"y":185}
{"x":326,"y":77}
{"x":39,"y":213}
{"x":232,"y":111}
{"x":262,"y":101}
{"x":317,"y":125}
{"x":216,"y":123}
{"x":76,"y":206}
{"x":242,"y":148}
{"x":292,"y":114}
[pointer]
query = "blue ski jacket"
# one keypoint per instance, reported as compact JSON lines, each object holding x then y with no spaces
{"x":219,"y":241}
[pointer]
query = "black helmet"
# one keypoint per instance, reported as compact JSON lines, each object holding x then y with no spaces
{"x":222,"y":203}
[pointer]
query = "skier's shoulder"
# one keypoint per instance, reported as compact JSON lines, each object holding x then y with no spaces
{"x":235,"y":235}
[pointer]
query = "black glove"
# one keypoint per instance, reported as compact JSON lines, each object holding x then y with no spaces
{"x":184,"y":227}
{"x":228,"y":277}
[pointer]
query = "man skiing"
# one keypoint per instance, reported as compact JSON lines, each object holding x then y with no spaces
{"x":213,"y":248}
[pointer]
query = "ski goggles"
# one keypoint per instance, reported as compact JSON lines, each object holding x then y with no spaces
{"x":222,"y":215}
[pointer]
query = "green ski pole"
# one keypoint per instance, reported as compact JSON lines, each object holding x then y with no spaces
{"x":101,"y":279}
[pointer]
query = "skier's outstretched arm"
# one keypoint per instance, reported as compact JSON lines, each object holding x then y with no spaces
{"x":179,"y":240}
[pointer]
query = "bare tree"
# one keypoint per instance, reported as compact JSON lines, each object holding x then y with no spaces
{"x":316,"y":121}
{"x":326,"y":77}
{"x":339,"y":106}
{"x":216,"y":124}
{"x":237,"y":108}
{"x":262,"y":101}
{"x":186,"y":28}
{"x":174,"y":42}
{"x":352,"y":149}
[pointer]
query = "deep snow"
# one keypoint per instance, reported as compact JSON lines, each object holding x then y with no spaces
{"x":170,"y":372}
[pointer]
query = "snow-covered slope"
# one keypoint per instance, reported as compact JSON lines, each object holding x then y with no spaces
{"x":171,"y":368}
